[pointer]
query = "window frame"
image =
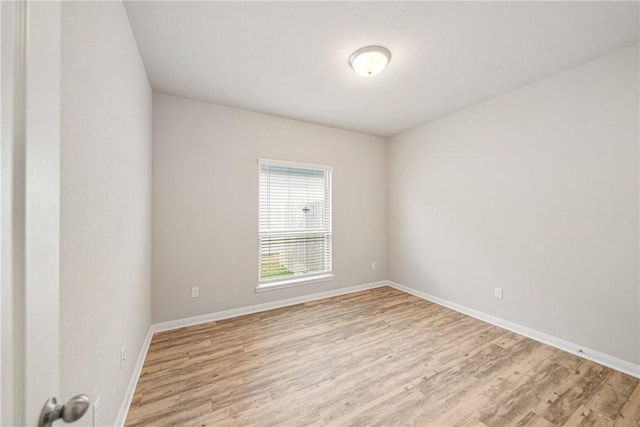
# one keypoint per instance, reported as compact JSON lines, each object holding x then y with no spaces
{"x":286,"y":282}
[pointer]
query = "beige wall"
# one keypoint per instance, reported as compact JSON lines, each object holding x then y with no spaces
{"x":105,"y":203}
{"x":535,"y":192}
{"x":205,"y":203}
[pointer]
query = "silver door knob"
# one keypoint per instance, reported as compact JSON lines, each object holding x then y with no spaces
{"x":71,"y":411}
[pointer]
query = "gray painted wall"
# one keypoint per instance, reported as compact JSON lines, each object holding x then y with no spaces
{"x":205,"y":203}
{"x":105,"y":203}
{"x":535,"y":192}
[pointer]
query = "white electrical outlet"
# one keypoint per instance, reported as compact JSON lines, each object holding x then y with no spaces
{"x":123,"y":357}
{"x":195,"y":292}
{"x":373,"y":265}
{"x":96,"y":412}
{"x":497,"y":292}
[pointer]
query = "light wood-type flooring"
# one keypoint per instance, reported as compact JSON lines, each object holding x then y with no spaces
{"x":374,"y":358}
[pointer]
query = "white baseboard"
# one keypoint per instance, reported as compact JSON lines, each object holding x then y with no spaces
{"x":133,"y":380}
{"x":582,"y":351}
{"x":241,"y":311}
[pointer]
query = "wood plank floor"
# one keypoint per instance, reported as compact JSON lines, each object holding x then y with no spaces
{"x":373,"y":358}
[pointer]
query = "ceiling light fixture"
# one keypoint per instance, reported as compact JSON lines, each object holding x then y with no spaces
{"x":370,"y":60}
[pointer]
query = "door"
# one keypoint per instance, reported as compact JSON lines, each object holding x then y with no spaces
{"x":29,"y":213}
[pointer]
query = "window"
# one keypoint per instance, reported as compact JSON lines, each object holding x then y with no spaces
{"x":294,"y":223}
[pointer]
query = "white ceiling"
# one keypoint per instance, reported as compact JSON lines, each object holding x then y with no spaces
{"x":290,"y":59}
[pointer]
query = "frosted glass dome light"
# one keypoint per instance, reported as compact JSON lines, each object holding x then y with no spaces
{"x":370,"y":60}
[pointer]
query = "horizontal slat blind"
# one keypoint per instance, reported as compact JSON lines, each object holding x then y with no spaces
{"x":295,"y":221}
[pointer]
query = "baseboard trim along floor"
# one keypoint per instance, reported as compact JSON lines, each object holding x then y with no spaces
{"x":133,"y":381}
{"x":587,"y":353}
{"x":579,"y":350}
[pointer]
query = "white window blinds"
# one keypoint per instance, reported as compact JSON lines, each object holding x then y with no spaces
{"x":295,"y":220}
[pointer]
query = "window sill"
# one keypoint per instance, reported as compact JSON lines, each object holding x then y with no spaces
{"x":294,"y":282}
